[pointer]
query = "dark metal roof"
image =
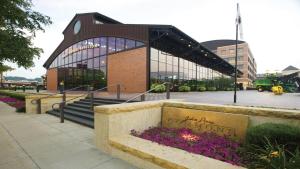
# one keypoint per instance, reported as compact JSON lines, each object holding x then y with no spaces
{"x":214,"y":44}
{"x":290,"y":68}
{"x":97,"y":16}
{"x":170,"y":39}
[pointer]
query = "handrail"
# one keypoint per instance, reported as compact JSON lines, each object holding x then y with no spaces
{"x":139,"y":95}
{"x":35,"y":100}
{"x":84,"y":94}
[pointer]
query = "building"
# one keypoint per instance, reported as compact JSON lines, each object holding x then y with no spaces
{"x":245,"y":60}
{"x":100,"y":51}
{"x":290,"y":70}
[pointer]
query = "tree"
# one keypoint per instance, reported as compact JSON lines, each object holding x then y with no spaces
{"x":18,"y":26}
{"x":4,"y":68}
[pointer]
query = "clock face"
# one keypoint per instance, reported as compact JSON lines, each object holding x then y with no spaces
{"x":77,"y":27}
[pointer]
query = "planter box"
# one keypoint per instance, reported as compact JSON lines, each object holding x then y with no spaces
{"x":113,"y":124}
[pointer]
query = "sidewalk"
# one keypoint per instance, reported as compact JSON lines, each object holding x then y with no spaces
{"x":31,"y":141}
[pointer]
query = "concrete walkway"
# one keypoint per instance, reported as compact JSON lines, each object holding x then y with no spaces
{"x":41,"y":142}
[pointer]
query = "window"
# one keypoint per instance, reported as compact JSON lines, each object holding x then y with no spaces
{"x":96,"y":47}
{"x":223,"y":52}
{"x":231,"y":51}
{"x":111,"y":44}
{"x":120,"y":44}
{"x":103,"y":46}
{"x":154,"y":54}
{"x":138,"y":44}
{"x":102,"y":61}
{"x":90,"y":47}
{"x":240,"y":50}
{"x":162,"y":57}
{"x":96,"y":62}
{"x":129,"y":44}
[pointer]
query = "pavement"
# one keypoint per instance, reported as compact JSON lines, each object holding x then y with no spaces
{"x":244,"y":98}
{"x":39,"y":141}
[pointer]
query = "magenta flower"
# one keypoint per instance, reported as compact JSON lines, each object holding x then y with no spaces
{"x":207,"y":144}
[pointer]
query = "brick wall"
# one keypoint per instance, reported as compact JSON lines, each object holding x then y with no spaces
{"x":129,"y":69}
{"x":52,"y":79}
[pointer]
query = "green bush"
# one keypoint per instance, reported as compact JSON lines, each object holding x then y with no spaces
{"x":229,"y":89}
{"x":275,"y":133}
{"x":21,"y":110}
{"x":19,"y":96}
{"x":184,"y":88}
{"x":201,"y":88}
{"x":211,"y":89}
{"x":158,"y":88}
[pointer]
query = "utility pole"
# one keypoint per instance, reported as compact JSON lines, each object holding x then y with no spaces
{"x":237,"y":24}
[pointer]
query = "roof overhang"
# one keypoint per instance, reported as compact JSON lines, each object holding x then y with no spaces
{"x":171,"y":40}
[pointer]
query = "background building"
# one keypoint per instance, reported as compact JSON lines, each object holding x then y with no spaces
{"x":100,"y":51}
{"x":245,"y":60}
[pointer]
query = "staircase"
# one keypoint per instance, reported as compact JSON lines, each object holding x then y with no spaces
{"x":81,"y":112}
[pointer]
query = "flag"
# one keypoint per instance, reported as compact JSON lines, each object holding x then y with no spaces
{"x":238,"y":21}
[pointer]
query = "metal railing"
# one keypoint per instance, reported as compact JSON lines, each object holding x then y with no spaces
{"x":143,"y":95}
{"x":91,"y":97}
{"x":38,"y":100}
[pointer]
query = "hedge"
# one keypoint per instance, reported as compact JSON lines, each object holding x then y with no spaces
{"x":19,"y":96}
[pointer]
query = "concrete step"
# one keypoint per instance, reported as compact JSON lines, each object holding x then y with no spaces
{"x":80,"y":109}
{"x":83,"y":121}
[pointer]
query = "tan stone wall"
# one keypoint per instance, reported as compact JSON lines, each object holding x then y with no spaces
{"x":52,"y":79}
{"x":129,"y":69}
{"x":47,"y":102}
{"x":112,"y":128}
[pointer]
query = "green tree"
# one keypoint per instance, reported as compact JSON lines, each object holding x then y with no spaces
{"x":18,"y":26}
{"x":4,"y":68}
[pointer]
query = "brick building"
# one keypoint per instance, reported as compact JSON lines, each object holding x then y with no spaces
{"x":100,"y":51}
{"x":245,"y":60}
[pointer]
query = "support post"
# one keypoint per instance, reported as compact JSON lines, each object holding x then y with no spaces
{"x":39,"y":106}
{"x":118,"y":91}
{"x":92,"y":100}
{"x":62,"y":118}
{"x":235,"y":71}
{"x":61,"y":107}
{"x":168,"y":91}
{"x":143,"y":97}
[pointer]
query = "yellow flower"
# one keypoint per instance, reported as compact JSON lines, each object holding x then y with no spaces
{"x":274,"y":154}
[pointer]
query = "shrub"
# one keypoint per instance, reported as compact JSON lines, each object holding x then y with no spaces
{"x":275,"y":133}
{"x":201,"y":88}
{"x":19,"y":96}
{"x":158,"y":88}
{"x":270,"y":156}
{"x":211,"y":89}
{"x":21,"y":110}
{"x":229,"y":89}
{"x":184,"y":88}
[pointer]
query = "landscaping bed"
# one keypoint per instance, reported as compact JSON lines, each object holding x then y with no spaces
{"x":13,"y":99}
{"x":267,"y":146}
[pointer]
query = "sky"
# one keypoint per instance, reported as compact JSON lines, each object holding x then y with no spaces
{"x":270,"y":27}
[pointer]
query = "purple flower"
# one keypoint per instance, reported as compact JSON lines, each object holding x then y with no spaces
{"x":207,"y":144}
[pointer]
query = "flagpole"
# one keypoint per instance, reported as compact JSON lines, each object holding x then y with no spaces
{"x":236,"y":52}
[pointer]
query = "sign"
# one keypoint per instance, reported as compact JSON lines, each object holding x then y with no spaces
{"x":223,"y":124}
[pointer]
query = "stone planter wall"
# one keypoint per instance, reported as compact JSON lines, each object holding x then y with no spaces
{"x":46,"y":103}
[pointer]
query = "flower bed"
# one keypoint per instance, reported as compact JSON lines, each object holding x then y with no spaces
{"x":18,"y":104}
{"x":207,"y":144}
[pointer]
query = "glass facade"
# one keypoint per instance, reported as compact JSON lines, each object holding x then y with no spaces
{"x":166,"y":67}
{"x":85,"y":62}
